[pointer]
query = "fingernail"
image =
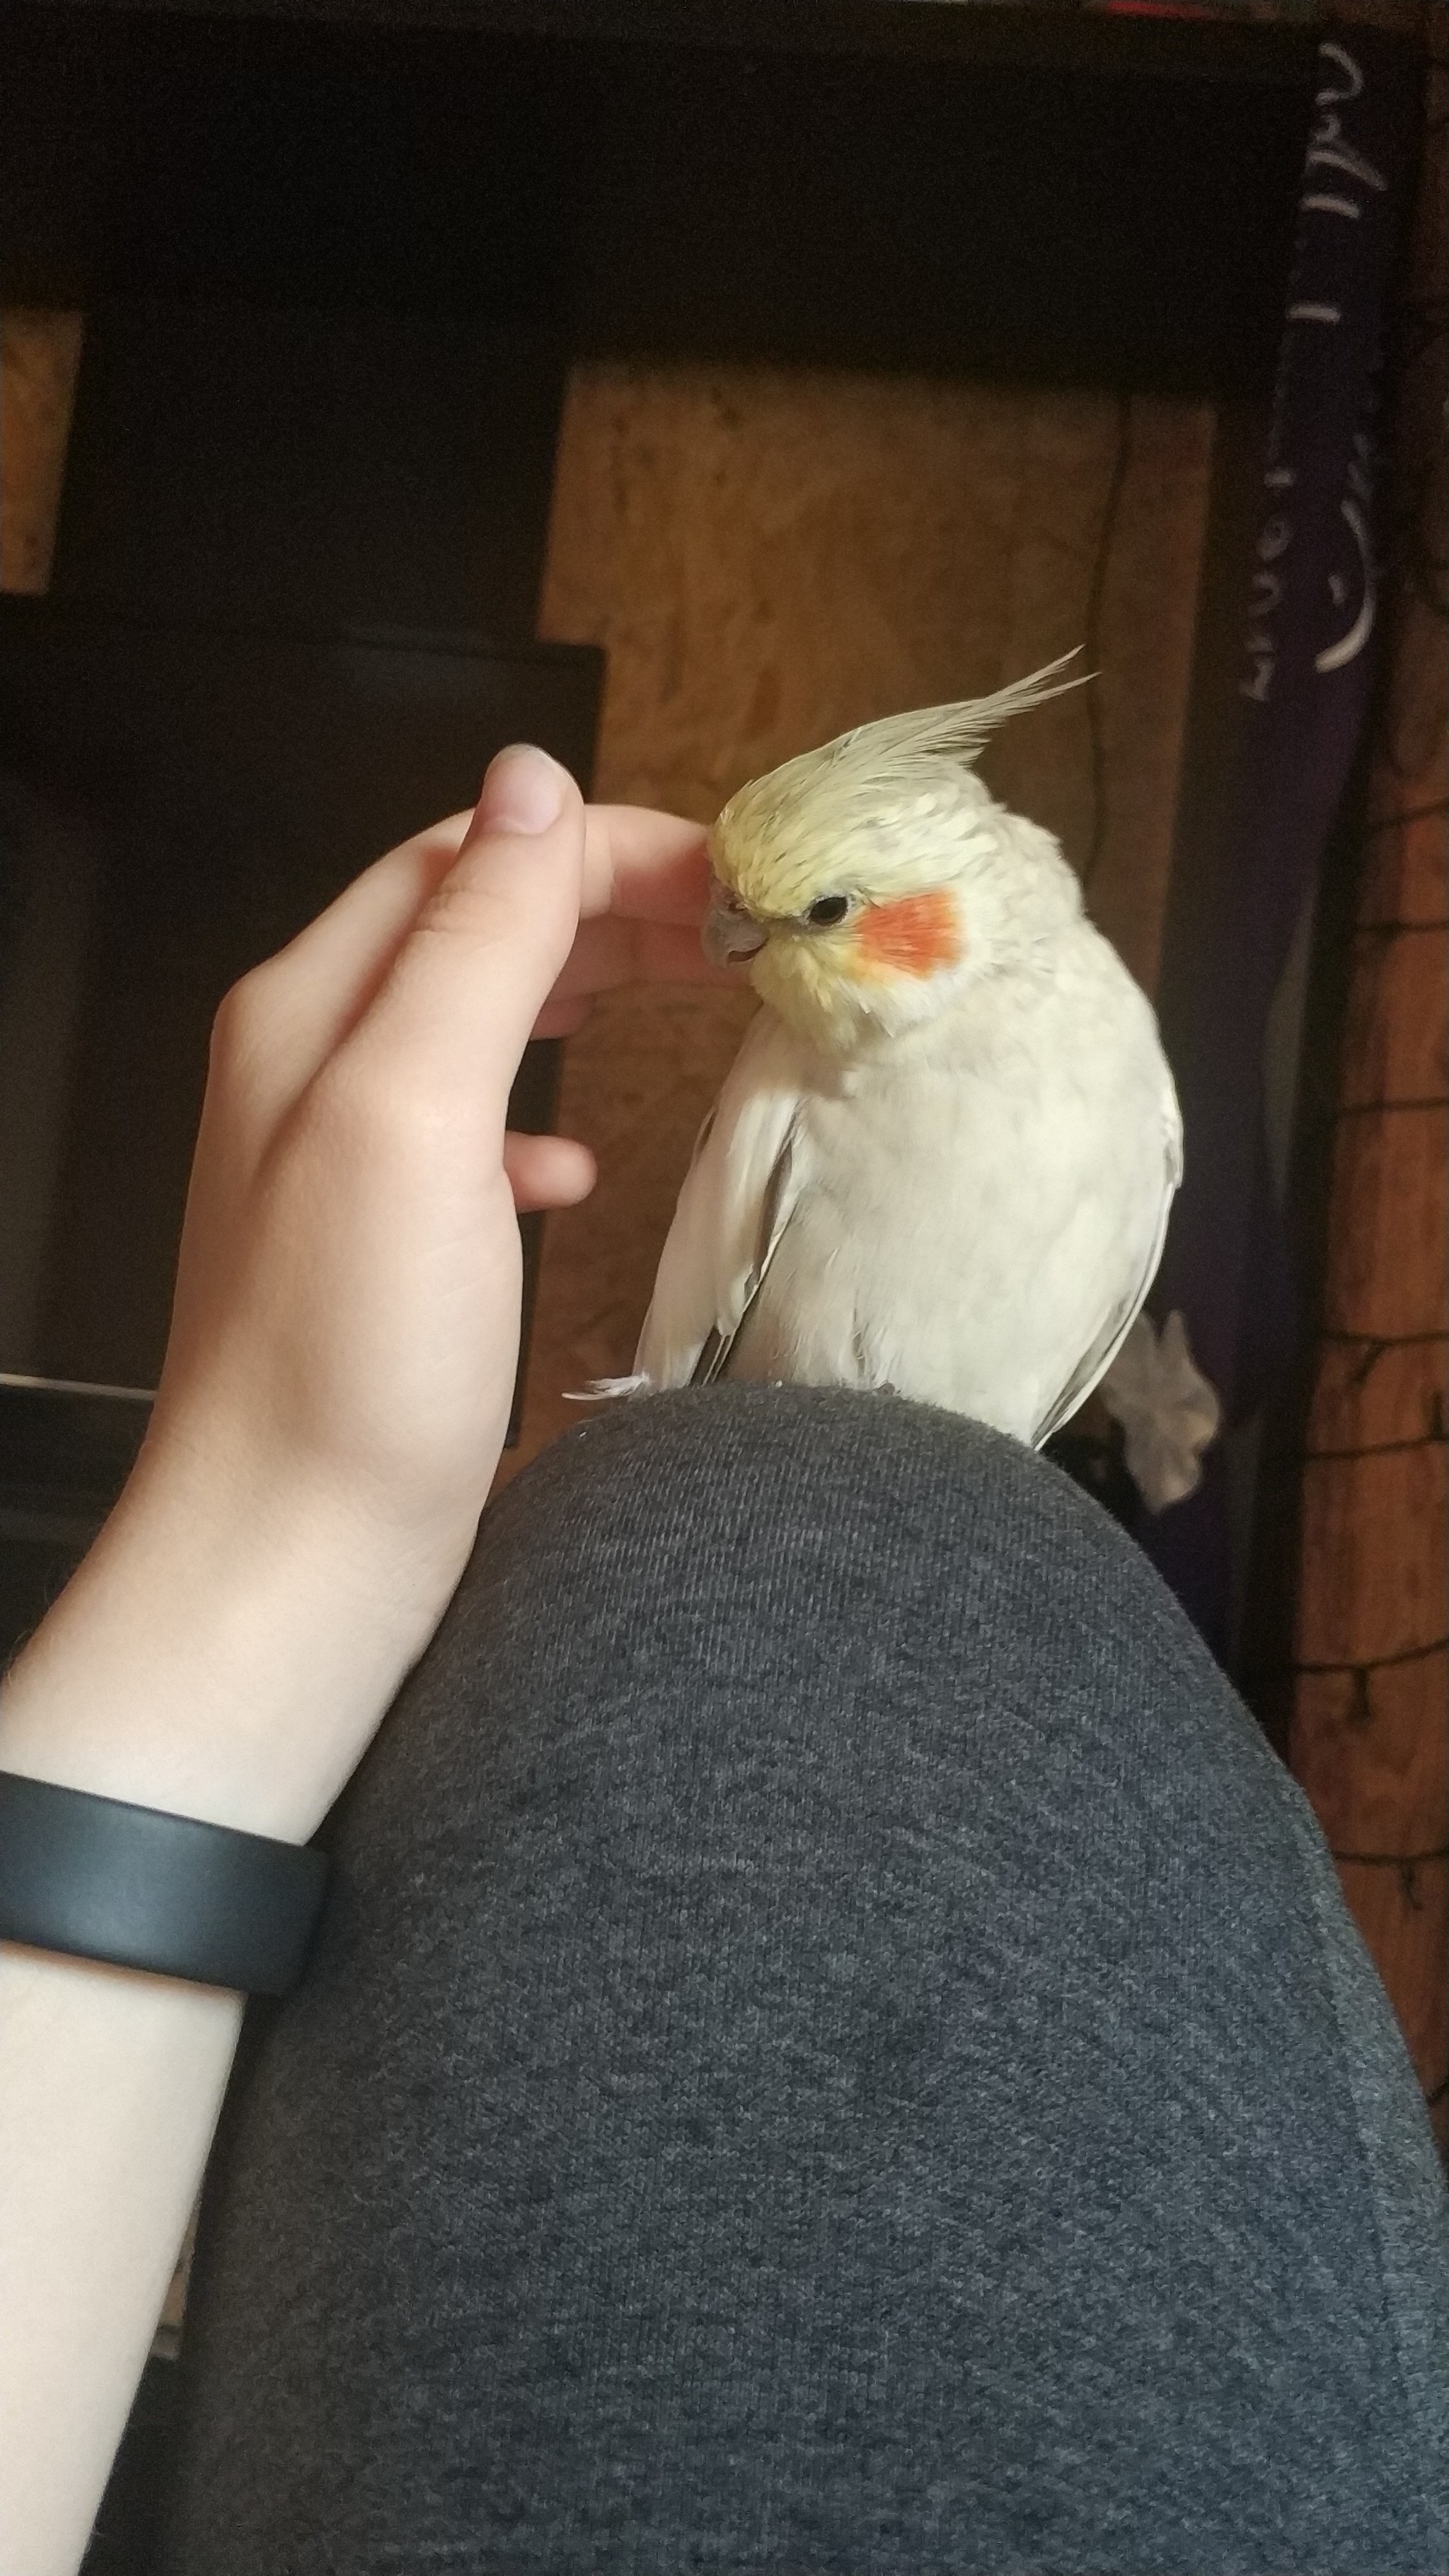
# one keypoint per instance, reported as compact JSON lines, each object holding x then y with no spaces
{"x":523,"y":790}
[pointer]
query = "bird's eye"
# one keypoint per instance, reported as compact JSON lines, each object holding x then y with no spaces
{"x":828,"y":908}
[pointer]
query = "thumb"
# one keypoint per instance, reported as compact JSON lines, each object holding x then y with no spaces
{"x":452,"y":1017}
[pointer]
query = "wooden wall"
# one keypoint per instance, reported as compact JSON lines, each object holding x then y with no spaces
{"x":39,"y":354}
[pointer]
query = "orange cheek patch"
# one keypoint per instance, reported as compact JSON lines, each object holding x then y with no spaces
{"x":912,"y":937}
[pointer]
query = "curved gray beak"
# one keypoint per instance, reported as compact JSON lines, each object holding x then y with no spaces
{"x":728,"y":931}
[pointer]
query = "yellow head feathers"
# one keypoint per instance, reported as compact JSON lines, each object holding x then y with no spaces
{"x":783,"y":834}
{"x":845,"y":872}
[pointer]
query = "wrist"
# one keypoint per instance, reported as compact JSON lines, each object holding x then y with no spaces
{"x":230,"y":1661}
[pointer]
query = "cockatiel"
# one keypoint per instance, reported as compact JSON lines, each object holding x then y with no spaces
{"x":943,"y":1159}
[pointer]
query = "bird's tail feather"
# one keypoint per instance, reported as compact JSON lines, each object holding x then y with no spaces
{"x":602,"y":1390}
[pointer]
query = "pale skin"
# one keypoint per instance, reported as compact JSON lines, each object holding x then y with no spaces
{"x":330,"y":1414}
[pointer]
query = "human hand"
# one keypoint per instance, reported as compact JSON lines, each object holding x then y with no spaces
{"x":334,"y":1396}
{"x":345,"y":1330}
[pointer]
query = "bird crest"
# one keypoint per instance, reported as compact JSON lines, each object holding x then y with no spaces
{"x":778,"y":828}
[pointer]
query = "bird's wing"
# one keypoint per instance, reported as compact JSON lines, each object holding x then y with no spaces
{"x":739,"y":1193}
{"x":1102,"y":1350}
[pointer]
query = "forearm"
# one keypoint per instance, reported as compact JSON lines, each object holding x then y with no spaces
{"x":214,"y":1668}
{"x":337,"y":1383}
{"x":113,"y":2082}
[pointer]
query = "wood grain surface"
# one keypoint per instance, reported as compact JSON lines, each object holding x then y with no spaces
{"x":39,"y":355}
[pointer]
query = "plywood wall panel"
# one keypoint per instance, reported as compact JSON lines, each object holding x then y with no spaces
{"x":1389,"y":1212}
{"x":1382,"y":1531}
{"x":1106,"y":555}
{"x":1398,"y":1014}
{"x":1366,"y":1394}
{"x":39,"y":356}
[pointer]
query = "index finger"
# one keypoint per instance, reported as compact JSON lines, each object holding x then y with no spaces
{"x":644,"y":866}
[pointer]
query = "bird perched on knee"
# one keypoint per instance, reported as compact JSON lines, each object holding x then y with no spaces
{"x":943,"y":1159}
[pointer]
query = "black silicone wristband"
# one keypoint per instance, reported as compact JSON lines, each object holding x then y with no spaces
{"x":100,"y":1879}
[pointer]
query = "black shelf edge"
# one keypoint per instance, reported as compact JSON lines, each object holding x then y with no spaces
{"x":1056,"y":34}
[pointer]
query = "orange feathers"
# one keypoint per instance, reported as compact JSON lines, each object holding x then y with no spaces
{"x":914,"y":936}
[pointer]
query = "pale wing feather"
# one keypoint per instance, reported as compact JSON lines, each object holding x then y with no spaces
{"x":1097,"y":1359}
{"x":737,"y":1199}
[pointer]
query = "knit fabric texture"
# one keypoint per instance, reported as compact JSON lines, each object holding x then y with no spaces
{"x":834,"y":2045}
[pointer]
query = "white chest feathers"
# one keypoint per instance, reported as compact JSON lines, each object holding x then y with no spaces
{"x":971,"y":1213}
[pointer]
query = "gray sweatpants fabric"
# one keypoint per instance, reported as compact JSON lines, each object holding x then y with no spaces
{"x":834,"y":2046}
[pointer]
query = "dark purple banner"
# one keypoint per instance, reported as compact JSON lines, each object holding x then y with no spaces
{"x":1305,"y":684}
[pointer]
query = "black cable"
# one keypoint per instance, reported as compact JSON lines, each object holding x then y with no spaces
{"x":1380,"y":1663}
{"x":1096,"y":598}
{"x":1415,"y":814}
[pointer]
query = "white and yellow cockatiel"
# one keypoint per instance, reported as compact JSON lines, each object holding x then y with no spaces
{"x":943,"y":1159}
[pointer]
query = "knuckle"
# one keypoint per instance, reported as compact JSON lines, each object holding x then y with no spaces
{"x":236,"y":1027}
{"x":467,"y":905}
